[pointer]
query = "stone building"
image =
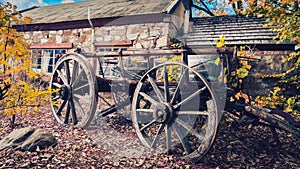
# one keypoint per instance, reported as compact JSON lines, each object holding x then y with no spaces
{"x":100,"y":25}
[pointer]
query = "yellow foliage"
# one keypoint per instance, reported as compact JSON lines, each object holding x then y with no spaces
{"x":173,"y":71}
{"x":15,"y":68}
{"x":27,"y":19}
{"x":217,"y":61}
{"x":286,"y":1}
{"x":220,"y":41}
{"x":241,"y":95}
{"x":276,"y":99}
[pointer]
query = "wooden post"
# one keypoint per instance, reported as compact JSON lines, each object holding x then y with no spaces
{"x":186,"y":22}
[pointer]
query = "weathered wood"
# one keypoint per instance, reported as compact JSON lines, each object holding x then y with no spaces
{"x":266,"y":115}
{"x":75,"y":86}
{"x":184,"y":105}
{"x":138,"y":53}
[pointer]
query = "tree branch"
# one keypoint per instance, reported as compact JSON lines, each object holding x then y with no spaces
{"x":203,"y":9}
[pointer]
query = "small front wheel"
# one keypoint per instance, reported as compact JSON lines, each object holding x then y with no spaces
{"x":74,"y":97}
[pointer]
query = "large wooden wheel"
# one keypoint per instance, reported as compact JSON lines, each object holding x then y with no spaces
{"x":74,"y":100}
{"x":175,"y":109}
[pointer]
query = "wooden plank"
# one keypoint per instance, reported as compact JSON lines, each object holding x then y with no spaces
{"x":137,"y":53}
{"x":52,"y":46}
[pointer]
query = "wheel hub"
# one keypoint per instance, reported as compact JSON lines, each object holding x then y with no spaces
{"x":163,"y":113}
{"x":65,"y":92}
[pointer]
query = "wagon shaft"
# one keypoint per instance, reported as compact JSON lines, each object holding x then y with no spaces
{"x":277,"y":120}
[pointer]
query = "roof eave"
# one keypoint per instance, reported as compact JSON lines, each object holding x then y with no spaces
{"x":172,"y":6}
{"x":98,"y":22}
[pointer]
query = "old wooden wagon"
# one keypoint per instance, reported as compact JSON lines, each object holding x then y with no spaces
{"x":173,"y":104}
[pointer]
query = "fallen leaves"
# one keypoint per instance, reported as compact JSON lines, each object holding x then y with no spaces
{"x":113,"y":144}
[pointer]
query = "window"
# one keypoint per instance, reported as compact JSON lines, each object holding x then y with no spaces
{"x":37,"y":59}
{"x":44,"y":60}
{"x":45,"y":56}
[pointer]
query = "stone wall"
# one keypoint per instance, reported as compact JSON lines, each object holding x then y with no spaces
{"x":147,"y":35}
{"x":269,"y":63}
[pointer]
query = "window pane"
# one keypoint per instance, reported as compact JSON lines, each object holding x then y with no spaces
{"x":48,"y":61}
{"x":36,"y":59}
{"x":58,"y":54}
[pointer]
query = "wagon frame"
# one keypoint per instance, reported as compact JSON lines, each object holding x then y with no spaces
{"x":170,"y":102}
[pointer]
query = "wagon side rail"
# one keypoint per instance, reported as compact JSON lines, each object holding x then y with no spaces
{"x":136,"y":53}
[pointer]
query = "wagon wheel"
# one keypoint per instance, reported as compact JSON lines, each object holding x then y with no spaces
{"x":74,"y":100}
{"x":175,"y":109}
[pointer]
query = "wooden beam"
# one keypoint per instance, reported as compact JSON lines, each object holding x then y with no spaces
{"x":52,"y":46}
{"x":138,"y":53}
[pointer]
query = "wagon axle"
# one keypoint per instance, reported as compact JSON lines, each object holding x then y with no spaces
{"x":65,"y":92}
{"x":163,"y":113}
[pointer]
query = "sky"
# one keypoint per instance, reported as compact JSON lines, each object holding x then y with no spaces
{"x":25,"y":4}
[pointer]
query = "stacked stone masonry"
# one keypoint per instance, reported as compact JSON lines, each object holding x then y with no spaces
{"x":142,"y":36}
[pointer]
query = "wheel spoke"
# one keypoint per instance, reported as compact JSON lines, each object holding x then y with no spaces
{"x":148,"y":98}
{"x":61,"y":108}
{"x":63,"y":78}
{"x":145,"y":110}
{"x":66,"y":64}
{"x":74,"y":71}
{"x":66,"y":121}
{"x":160,"y":130}
{"x":166,"y":84}
{"x":57,"y":85}
{"x":78,"y":78}
{"x":155,"y":88}
{"x":74,"y":116}
{"x":80,"y":87}
{"x":189,"y":129}
{"x":178,"y":86}
{"x":168,"y":137}
{"x":78,"y":105}
{"x":147,"y":125}
{"x":190,"y":97}
{"x":82,"y":98}
{"x":55,"y":98}
{"x":182,"y":137}
{"x":192,"y":113}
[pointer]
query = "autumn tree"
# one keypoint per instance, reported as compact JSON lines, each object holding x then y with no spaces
{"x":18,"y":94}
{"x":282,"y":17}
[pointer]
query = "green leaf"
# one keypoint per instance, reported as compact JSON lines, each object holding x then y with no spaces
{"x":242,"y":73}
{"x":234,"y":85}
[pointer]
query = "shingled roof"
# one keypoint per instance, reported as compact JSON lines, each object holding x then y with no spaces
{"x":98,"y":8}
{"x":237,"y":29}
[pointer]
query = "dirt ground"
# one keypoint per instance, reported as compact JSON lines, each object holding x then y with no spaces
{"x":114,"y":144}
